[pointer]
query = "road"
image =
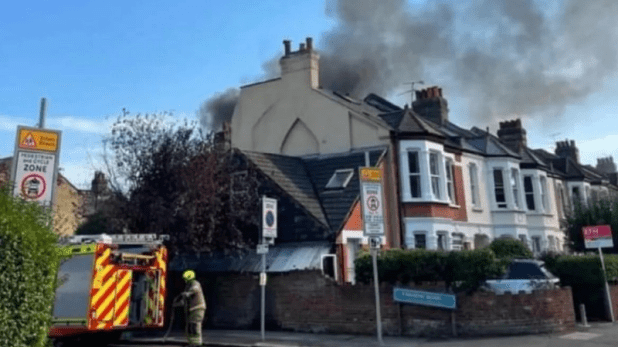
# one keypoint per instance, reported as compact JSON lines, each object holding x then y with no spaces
{"x":600,"y":334}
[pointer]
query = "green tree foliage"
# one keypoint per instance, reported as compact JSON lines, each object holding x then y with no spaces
{"x":28,"y":263}
{"x":170,"y":178}
{"x":461,"y":271}
{"x":599,"y":213}
{"x":510,"y":249}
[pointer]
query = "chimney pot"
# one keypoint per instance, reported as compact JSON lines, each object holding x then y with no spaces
{"x":309,"y":43}
{"x":301,"y":47}
{"x":287,"y":44}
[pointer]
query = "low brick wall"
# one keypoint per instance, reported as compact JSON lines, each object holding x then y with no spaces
{"x":308,"y":302}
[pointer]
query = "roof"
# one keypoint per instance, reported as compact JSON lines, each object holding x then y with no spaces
{"x":336,"y":203}
{"x":280,"y":258}
{"x":290,"y":175}
{"x":413,"y":123}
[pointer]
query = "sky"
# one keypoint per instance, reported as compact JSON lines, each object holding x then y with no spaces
{"x":92,"y":59}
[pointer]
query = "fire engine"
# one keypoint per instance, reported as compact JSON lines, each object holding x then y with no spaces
{"x":108,"y":284}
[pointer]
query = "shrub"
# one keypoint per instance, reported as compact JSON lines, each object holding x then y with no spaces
{"x":510,"y":249}
{"x":461,"y":271}
{"x":28,"y":266}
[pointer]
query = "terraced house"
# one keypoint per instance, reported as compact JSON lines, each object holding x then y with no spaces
{"x":445,"y":187}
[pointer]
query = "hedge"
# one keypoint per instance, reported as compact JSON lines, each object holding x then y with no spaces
{"x":28,"y":267}
{"x":461,"y":271}
{"x":510,"y":249}
{"x":584,"y":275}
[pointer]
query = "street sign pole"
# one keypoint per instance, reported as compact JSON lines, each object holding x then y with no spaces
{"x":374,"y":256}
{"x":263,"y":307}
{"x":608,"y":298}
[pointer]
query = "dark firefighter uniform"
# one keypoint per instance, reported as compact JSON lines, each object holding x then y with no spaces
{"x":195,"y":308}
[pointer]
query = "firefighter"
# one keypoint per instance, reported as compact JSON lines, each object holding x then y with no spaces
{"x":195,"y":308}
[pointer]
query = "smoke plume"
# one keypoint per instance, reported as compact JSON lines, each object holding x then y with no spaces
{"x":218,"y":109}
{"x":507,"y":58}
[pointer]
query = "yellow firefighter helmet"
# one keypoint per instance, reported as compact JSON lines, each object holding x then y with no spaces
{"x":188,"y":275}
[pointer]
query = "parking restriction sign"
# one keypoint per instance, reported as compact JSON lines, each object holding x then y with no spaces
{"x":372,"y":205}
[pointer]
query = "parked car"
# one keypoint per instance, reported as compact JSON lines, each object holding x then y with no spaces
{"x":523,"y":275}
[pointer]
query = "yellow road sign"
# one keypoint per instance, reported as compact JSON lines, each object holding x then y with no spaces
{"x":370,"y":174}
{"x":38,"y":140}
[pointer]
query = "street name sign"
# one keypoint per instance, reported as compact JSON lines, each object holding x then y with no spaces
{"x":424,"y":298}
{"x":598,"y":236}
{"x":35,"y":164}
{"x":372,"y":202}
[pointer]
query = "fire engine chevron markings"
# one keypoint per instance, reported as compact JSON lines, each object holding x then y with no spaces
{"x":105,"y":284}
{"x":122,"y":298}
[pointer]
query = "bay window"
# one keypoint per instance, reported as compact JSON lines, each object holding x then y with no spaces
{"x":474,"y":185}
{"x":415,"y":174}
{"x":434,"y":172}
{"x":499,"y":189}
{"x":515,"y":186}
{"x":544,"y":199}
{"x":450,"y":187}
{"x":529,"y":191}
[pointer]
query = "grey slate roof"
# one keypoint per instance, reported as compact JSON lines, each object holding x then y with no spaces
{"x":337,"y":203}
{"x":280,"y":258}
{"x":290,"y":174}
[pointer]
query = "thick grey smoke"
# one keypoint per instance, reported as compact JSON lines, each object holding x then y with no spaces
{"x":218,"y":109}
{"x":507,"y":58}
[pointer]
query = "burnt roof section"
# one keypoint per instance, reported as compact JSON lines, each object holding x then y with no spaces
{"x":338,"y":202}
{"x":290,"y":175}
{"x":414,"y":124}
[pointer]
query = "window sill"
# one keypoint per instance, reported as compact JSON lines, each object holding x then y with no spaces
{"x":510,"y":210}
{"x":477,"y":209}
{"x":424,"y":201}
{"x":538,"y":213}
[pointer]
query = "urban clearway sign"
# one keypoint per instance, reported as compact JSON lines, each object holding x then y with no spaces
{"x":371,"y":199}
{"x":269,"y":218}
{"x":598,"y":236}
{"x":35,"y":164}
{"x":419,"y":297}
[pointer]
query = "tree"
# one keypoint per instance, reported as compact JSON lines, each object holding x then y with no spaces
{"x":597,"y":213}
{"x":173,"y":179}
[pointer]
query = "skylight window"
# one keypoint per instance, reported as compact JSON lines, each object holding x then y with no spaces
{"x":340,"y":179}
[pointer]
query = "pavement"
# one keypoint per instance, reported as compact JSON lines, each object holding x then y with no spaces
{"x":598,"y":334}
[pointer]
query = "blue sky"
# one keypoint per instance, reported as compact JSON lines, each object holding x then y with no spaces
{"x":91,"y":59}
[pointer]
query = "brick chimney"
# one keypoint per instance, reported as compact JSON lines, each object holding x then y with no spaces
{"x":606,"y":165}
{"x":431,"y":105}
{"x":566,"y":149}
{"x":223,"y":138}
{"x":301,"y":66}
{"x":513,"y":135}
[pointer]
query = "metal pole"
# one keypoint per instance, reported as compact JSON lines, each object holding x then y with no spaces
{"x":582,"y":313}
{"x":42,"y":113}
{"x":263,"y":314}
{"x":374,"y":255}
{"x":608,"y":298}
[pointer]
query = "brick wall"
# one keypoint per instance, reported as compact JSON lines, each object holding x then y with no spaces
{"x":306,"y":301}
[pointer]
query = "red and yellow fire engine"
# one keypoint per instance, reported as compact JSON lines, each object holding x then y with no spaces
{"x":108,"y":284}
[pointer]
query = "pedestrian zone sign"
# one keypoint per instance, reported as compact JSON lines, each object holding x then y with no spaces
{"x":269,"y":218}
{"x":35,"y":164}
{"x":372,"y":202}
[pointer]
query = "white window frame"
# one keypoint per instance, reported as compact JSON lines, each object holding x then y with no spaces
{"x":444,"y":245}
{"x":499,"y":204}
{"x":450,"y":180}
{"x":474,"y":184}
{"x":435,"y":179}
{"x":544,"y":194}
{"x":455,"y":238}
{"x":514,"y":180}
{"x":415,"y":174}
{"x":349,"y":172}
{"x":527,"y":193}
{"x":420,"y":233}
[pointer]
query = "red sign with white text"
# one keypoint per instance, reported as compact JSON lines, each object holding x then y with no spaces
{"x":598,"y":236}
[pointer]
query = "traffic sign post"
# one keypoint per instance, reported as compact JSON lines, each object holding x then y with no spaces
{"x":373,"y":225}
{"x":600,"y":236}
{"x":269,"y":233}
{"x":35,"y":164}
